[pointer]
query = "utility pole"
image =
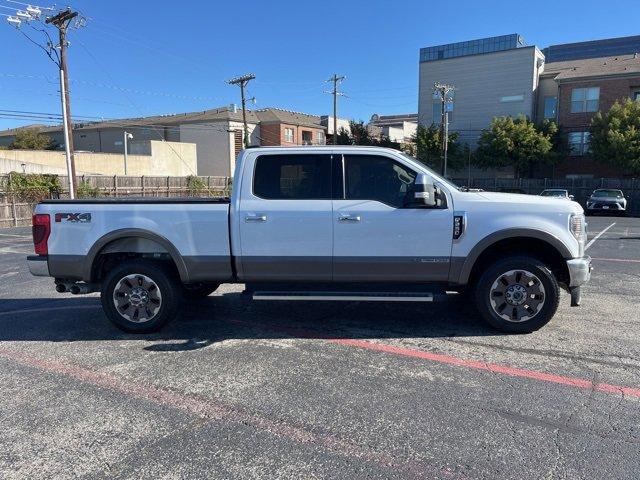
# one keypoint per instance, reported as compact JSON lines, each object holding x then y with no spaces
{"x":127,"y":136}
{"x":336,"y":81}
{"x":445,"y":93}
{"x":61,"y":22}
{"x":242,"y":82}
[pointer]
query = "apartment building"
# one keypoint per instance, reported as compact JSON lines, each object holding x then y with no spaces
{"x":502,"y":76}
{"x":573,"y":91}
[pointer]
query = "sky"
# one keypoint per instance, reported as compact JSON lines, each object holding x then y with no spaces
{"x":140,"y":58}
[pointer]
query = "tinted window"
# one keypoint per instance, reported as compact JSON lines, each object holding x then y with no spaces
{"x":293,"y":177}
{"x":370,"y":177}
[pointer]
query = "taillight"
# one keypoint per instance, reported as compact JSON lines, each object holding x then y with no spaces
{"x":41,"y":229}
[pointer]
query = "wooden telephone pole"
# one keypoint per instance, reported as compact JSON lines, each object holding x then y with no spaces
{"x":336,"y":80}
{"x":61,"y":22}
{"x":242,"y":82}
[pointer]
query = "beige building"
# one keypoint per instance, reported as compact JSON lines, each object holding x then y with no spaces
{"x":149,"y":158}
{"x":216,"y":133}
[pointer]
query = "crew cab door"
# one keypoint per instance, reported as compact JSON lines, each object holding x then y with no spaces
{"x":285,"y":218}
{"x":377,"y":238}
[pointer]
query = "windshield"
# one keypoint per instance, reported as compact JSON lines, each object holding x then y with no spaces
{"x":435,"y":175}
{"x":608,"y":193}
{"x":554,"y":193}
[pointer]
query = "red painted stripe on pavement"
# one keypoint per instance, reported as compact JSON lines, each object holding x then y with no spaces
{"x":214,"y":410}
{"x":451,"y":360}
{"x":50,"y":309}
{"x":622,"y":260}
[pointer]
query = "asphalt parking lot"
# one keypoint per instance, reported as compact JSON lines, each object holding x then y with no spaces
{"x":322,"y":390}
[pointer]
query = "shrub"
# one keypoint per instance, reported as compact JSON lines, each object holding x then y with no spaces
{"x":33,"y":187}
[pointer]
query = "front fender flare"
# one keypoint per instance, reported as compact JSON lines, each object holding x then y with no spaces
{"x":461,"y":267}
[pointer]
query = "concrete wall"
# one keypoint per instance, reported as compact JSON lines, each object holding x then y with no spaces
{"x":167,"y":158}
{"x":480,"y":82}
{"x":8,"y":166}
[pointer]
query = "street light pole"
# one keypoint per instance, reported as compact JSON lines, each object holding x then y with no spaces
{"x":127,"y":136}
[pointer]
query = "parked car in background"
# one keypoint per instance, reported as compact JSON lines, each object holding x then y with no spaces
{"x":607,"y":200}
{"x":556,"y":193}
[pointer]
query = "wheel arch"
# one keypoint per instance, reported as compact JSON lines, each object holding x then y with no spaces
{"x":133,"y":240}
{"x":535,"y":243}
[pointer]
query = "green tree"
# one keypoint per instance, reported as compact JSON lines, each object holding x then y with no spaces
{"x":516,"y":143}
{"x":360,"y":135}
{"x":615,"y":136}
{"x":428,"y":141}
{"x":343,"y":137}
{"x":31,"y":139}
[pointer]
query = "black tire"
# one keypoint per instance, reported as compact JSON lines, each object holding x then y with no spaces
{"x":536,"y":288}
{"x":199,"y":291}
{"x":163,"y":300}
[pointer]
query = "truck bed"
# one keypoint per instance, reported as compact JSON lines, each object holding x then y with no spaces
{"x":143,"y":200}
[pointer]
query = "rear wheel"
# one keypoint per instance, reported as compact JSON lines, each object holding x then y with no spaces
{"x":517,"y":294}
{"x":140,"y":296}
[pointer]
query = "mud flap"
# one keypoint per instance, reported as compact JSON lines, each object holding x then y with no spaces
{"x":576,"y":296}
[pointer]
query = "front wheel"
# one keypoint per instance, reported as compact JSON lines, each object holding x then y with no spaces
{"x":140,"y":296}
{"x":517,"y":295}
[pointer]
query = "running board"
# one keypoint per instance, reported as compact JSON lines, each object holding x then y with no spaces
{"x":347,"y":296}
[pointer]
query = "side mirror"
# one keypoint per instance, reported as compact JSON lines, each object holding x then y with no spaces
{"x":571,"y":197}
{"x":422,"y":193}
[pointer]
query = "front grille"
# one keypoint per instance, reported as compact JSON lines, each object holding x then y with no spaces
{"x":608,"y":204}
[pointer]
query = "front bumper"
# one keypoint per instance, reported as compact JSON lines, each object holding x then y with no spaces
{"x":38,"y":265}
{"x":579,"y":271}
{"x":616,"y":207}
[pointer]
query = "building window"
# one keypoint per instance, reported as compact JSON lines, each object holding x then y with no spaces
{"x":288,"y":135}
{"x":307,"y":137}
{"x":585,"y":99}
{"x":636,"y":95}
{"x":437,"y":107}
{"x":321,"y":138}
{"x":550,"y":107}
{"x":579,"y":143}
{"x":512,"y":98}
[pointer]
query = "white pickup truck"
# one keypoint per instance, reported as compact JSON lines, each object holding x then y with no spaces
{"x":319,"y":223}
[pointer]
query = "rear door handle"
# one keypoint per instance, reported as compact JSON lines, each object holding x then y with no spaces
{"x":255,"y":218}
{"x":349,"y":218}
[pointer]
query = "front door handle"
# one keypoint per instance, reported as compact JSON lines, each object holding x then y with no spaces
{"x":255,"y":218}
{"x":349,"y":218}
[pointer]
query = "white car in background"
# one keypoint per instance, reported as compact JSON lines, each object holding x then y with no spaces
{"x":556,"y":193}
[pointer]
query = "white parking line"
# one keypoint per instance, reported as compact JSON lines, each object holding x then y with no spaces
{"x":598,"y":236}
{"x":12,"y":235}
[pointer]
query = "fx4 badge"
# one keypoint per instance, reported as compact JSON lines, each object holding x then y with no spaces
{"x":73,"y":217}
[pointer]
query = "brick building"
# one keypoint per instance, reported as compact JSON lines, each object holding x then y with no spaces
{"x":574,"y":91}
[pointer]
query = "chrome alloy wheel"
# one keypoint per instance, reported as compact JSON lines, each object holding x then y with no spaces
{"x":137,"y":298}
{"x":517,"y":295}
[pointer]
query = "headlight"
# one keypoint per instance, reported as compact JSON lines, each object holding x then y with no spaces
{"x":578,"y":228}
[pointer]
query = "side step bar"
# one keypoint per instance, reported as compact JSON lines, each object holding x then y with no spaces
{"x":347,"y":296}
